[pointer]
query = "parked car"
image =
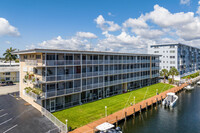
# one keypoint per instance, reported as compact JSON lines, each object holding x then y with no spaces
{"x":9,"y":83}
{"x":3,"y":83}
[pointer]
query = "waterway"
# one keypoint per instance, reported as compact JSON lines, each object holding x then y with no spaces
{"x":183,"y":118}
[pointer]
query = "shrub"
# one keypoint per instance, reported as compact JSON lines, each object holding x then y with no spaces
{"x":170,"y":81}
{"x":3,"y":80}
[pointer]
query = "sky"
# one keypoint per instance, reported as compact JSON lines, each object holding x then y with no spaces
{"x":102,"y":25}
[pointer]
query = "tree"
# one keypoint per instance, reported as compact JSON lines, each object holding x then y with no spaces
{"x":164,"y":73}
{"x":9,"y":56}
{"x":173,"y":72}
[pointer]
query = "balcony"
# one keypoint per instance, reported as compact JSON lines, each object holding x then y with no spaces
{"x":89,"y":62}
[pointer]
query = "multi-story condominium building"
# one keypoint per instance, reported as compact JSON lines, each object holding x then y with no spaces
{"x":9,"y":72}
{"x":184,"y":58}
{"x":68,"y":78}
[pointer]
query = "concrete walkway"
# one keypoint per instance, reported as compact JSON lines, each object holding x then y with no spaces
{"x":122,"y":114}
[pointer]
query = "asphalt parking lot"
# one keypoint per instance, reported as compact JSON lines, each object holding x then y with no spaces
{"x":17,"y":116}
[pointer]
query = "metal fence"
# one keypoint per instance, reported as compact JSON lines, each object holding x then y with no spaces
{"x":61,"y":126}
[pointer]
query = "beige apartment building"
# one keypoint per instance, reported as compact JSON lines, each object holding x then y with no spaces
{"x":58,"y":79}
{"x":9,"y":72}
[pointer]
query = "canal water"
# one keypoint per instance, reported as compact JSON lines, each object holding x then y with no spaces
{"x":183,"y":118}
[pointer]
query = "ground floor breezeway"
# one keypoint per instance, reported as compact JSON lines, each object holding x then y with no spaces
{"x":62,"y":102}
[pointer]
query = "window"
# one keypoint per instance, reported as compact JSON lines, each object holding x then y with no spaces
{"x":7,"y":73}
{"x":163,"y":51}
{"x":7,"y":78}
{"x":156,"y":51}
{"x":163,"y":61}
{"x":163,"y":56}
{"x":172,"y":62}
{"x":38,"y":56}
{"x":172,"y":57}
{"x":172,"y":51}
{"x":163,"y":66}
{"x":25,"y":56}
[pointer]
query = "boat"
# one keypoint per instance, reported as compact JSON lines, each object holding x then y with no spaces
{"x":189,"y":87}
{"x":170,"y":100}
{"x":198,"y":83}
{"x":108,"y":128}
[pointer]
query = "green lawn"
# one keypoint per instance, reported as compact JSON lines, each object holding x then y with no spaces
{"x":86,"y":113}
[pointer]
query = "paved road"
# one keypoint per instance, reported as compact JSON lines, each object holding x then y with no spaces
{"x":18,"y":117}
{"x":9,"y":89}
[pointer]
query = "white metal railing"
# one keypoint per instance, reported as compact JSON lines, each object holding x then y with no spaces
{"x":31,"y":62}
{"x":61,"y":126}
{"x":78,"y":62}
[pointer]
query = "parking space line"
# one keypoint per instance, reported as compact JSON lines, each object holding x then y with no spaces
{"x":5,"y":121}
{"x":10,"y":128}
{"x":3,"y":115}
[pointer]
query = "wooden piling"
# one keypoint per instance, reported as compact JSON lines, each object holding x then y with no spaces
{"x":116,"y":121}
{"x":133,"y":112}
{"x":146,"y":106}
{"x":125,"y":115}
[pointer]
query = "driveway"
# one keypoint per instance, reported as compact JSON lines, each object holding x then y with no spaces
{"x":9,"y":89}
{"x":17,"y":116}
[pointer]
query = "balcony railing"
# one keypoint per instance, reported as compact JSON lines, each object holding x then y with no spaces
{"x":94,"y":86}
{"x":90,"y":62}
{"x":93,"y":74}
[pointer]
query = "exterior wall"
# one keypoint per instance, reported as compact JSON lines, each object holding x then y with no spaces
{"x":186,"y":61}
{"x":14,"y":76}
{"x":69,"y":79}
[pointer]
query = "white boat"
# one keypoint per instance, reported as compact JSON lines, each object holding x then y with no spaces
{"x":198,"y":83}
{"x":108,"y":128}
{"x":189,"y":87}
{"x":170,"y":100}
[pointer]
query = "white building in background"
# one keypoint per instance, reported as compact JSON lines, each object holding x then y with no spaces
{"x":184,"y":58}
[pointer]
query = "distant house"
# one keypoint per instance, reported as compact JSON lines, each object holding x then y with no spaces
{"x":9,"y":73}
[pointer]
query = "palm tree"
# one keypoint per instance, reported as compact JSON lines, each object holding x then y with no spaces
{"x":173,"y":72}
{"x":9,"y":56}
{"x":164,"y":73}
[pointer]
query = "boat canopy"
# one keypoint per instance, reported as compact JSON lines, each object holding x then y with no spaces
{"x":105,"y":126}
{"x":170,"y":94}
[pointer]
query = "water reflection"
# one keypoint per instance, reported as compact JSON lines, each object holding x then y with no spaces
{"x":184,"y":117}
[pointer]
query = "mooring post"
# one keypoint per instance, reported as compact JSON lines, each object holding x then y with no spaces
{"x":125,"y":115}
{"x":116,"y":121}
{"x":151,"y":103}
{"x":133,"y":112}
{"x":156,"y":101}
{"x":146,"y":106}
{"x":140,"y":109}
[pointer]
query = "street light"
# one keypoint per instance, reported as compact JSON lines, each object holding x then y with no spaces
{"x":106,"y":111}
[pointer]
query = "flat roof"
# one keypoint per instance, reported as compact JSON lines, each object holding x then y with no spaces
{"x":9,"y":69}
{"x":172,"y":44}
{"x":75,"y":51}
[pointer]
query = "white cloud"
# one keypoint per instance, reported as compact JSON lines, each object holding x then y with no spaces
{"x":73,"y":43}
{"x":164,"y":18}
{"x":135,"y":23}
{"x":7,"y":29}
{"x":184,"y":2}
{"x":106,"y":25}
{"x":159,"y":26}
{"x":86,"y":35}
{"x":198,"y":9}
{"x":7,"y":42}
